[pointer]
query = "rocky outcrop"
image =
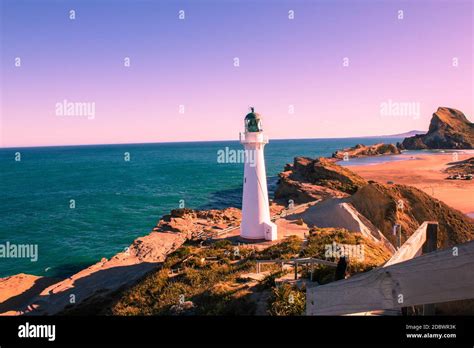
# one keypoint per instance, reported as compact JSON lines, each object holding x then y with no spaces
{"x":310,"y":179}
{"x":18,"y":289}
{"x":386,"y":205}
{"x":361,"y":150}
{"x":145,"y":254}
{"x":449,"y":129}
{"x":461,"y":167}
{"x":190,"y":222}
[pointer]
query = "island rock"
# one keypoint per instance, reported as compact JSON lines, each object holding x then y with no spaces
{"x":449,"y":129}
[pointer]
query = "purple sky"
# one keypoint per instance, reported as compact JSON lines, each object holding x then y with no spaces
{"x":283,"y":63}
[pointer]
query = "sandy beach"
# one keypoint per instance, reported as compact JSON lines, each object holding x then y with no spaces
{"x":425,"y":172}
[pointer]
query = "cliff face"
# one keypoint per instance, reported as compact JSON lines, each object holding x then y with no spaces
{"x":449,"y":129}
{"x":310,"y":179}
{"x":385,"y":205}
{"x":361,"y":150}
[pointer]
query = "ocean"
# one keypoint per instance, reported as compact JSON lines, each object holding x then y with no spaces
{"x":78,"y":204}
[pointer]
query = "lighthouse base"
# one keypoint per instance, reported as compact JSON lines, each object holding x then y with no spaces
{"x":268,"y":231}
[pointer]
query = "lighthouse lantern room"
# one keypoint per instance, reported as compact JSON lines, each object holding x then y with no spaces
{"x":256,"y":223}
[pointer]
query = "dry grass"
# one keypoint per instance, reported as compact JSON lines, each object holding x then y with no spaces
{"x":211,"y":277}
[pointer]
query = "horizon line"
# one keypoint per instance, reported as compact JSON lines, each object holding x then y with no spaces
{"x":201,"y":141}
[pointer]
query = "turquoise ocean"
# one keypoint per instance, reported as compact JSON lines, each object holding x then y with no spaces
{"x":116,"y":200}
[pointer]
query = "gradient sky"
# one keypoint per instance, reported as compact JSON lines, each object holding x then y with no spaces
{"x":190,"y":62}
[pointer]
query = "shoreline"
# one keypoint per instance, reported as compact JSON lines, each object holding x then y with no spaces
{"x":403,"y":156}
{"x":424,"y":171}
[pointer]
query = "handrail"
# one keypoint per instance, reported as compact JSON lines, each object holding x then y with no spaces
{"x":412,"y":247}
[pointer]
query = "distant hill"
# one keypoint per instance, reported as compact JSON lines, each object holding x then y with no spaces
{"x":400,"y":135}
{"x":449,"y":129}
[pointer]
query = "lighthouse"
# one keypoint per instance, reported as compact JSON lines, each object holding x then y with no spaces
{"x":256,"y":223}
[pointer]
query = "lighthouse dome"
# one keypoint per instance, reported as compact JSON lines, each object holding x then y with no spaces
{"x":253,"y":122}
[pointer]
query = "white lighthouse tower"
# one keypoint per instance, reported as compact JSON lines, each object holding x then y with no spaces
{"x":256,"y":223}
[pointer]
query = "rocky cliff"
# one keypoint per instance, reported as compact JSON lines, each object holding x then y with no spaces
{"x":310,"y":179}
{"x":361,"y":150}
{"x":449,"y":129}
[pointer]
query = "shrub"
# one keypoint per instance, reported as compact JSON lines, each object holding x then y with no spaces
{"x":222,"y":244}
{"x":177,"y":256}
{"x":290,"y":247}
{"x":287,"y":300}
{"x":323,"y":274}
{"x":139,"y":299}
{"x":224,"y":302}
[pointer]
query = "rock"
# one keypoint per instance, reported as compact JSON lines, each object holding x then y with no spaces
{"x":461,"y":167}
{"x":302,"y":192}
{"x":185,"y":308}
{"x":182,"y":212}
{"x":311,"y":179}
{"x":449,"y":129}
{"x":227,"y":215}
{"x":16,"y":290}
{"x":361,"y":150}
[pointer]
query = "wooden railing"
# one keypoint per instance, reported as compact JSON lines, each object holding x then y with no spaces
{"x":308,"y":261}
{"x":406,"y":280}
{"x":414,"y":245}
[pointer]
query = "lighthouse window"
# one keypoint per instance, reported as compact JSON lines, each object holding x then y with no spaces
{"x":245,"y":180}
{"x":253,"y":125}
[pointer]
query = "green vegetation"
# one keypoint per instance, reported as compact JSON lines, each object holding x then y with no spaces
{"x":289,"y":248}
{"x":373,"y":253}
{"x":206,"y":283}
{"x":287,"y":300}
{"x":207,"y":280}
{"x":321,"y":274}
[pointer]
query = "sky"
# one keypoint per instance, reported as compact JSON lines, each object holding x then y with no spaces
{"x":325,"y":72}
